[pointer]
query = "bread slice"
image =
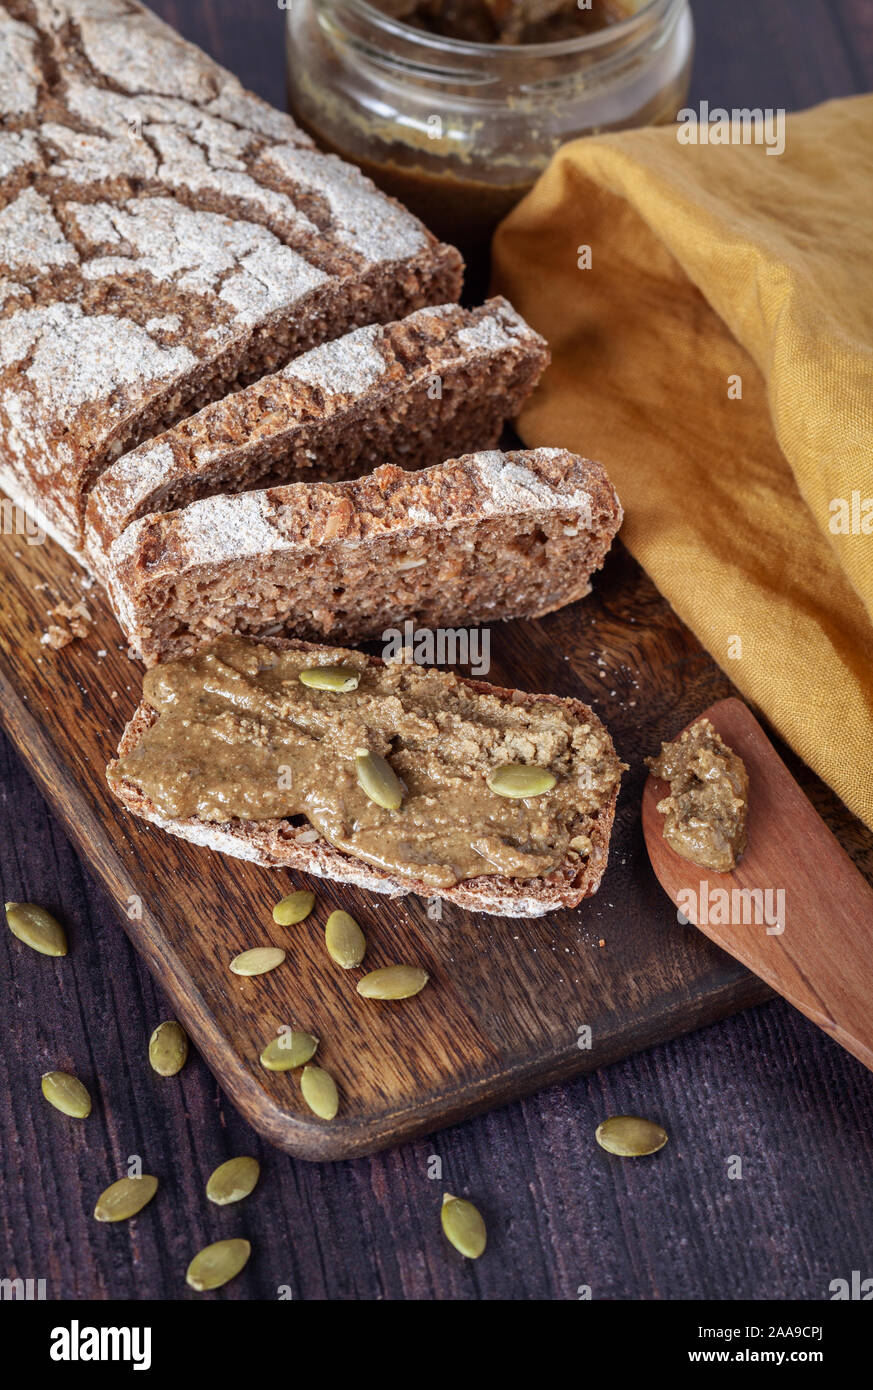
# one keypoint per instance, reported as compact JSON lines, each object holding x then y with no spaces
{"x":482,"y":537}
{"x":438,"y":383}
{"x":287,"y":844}
{"x":165,"y":237}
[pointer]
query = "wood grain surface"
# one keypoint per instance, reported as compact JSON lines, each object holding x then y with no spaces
{"x":507,"y":998}
{"x":765,"y":1086}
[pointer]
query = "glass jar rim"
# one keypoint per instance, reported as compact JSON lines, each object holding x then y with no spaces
{"x":627,"y":28}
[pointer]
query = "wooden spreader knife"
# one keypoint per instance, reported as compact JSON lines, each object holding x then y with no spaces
{"x":795,"y":910}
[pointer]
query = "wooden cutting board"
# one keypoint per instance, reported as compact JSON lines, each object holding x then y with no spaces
{"x":512,"y":1005}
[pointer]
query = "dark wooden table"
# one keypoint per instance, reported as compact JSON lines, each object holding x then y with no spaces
{"x":764,"y":1087}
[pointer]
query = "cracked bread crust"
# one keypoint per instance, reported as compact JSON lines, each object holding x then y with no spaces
{"x":433,"y":386}
{"x":164,"y":236}
{"x":476,"y":539}
{"x":282,"y":844}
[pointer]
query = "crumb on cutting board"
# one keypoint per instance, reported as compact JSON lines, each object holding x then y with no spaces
{"x":71,"y":620}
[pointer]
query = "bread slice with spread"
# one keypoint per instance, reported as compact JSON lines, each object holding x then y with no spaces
{"x":241,"y":749}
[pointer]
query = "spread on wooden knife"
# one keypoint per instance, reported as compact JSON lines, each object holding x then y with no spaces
{"x":708,"y":801}
{"x":241,"y":736}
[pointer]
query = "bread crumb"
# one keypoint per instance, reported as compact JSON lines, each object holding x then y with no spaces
{"x":72,"y":620}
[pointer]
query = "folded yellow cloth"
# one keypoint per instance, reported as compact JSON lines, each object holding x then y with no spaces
{"x":717,"y":358}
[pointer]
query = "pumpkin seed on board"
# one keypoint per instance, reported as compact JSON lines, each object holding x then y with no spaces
{"x":233,"y":1180}
{"x":125,"y":1198}
{"x":294,"y":908}
{"x":257,"y":961}
{"x":393,"y":982}
{"x":340,"y":679}
{"x":168,"y":1048}
{"x":463,"y":1226}
{"x":520,"y":779}
{"x":378,"y":780}
{"x":217,"y":1264}
{"x":346,"y":943}
{"x":319,"y":1092}
{"x":67,"y":1094}
{"x":37,"y":928}
{"x":629,"y":1136}
{"x":288,"y":1050}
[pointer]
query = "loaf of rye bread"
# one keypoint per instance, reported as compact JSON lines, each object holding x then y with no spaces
{"x":439,"y":383}
{"x":469,"y":541}
{"x":165,"y":237}
{"x":295,"y":844}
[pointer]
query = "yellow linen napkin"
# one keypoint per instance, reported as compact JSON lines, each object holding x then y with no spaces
{"x":717,"y":358}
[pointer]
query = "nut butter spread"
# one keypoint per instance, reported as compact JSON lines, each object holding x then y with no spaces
{"x":507,"y":21}
{"x":240,"y":736}
{"x":709,"y":794}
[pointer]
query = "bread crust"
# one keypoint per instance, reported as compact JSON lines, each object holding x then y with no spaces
{"x":279,"y":844}
{"x":467,"y":541}
{"x":165,"y":237}
{"x":335,"y":412}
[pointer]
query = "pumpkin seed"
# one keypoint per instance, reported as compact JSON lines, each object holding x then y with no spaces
{"x":233,"y":1180}
{"x":289,"y":1050}
{"x":346,"y":943}
{"x":338,"y":678}
{"x":378,"y":780}
{"x":168,"y":1048}
{"x":257,"y":961}
{"x":294,"y":908}
{"x":37,"y":928}
{"x":319,"y":1092}
{"x":463,"y":1226}
{"x":66,"y":1093}
{"x":393,"y":982}
{"x":125,"y":1198}
{"x":216,"y":1264}
{"x":520,"y":780}
{"x":629,"y":1136}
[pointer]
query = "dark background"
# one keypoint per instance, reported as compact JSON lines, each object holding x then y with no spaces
{"x":765,"y":1086}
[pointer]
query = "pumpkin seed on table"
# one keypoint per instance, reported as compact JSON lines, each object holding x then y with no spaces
{"x":125,"y":1198}
{"x":168,"y":1048}
{"x":629,"y":1136}
{"x":393,"y":982}
{"x":319,"y":1092}
{"x":293,"y":909}
{"x":67,"y":1094}
{"x":340,"y":679}
{"x":346,"y":943}
{"x":289,"y":1050}
{"x":233,"y":1180}
{"x":520,"y":779}
{"x":37,"y":928}
{"x":378,"y":780}
{"x":217,"y":1264}
{"x":258,"y":960}
{"x":463,"y":1226}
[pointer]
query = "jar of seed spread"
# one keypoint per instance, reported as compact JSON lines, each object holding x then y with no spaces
{"x":456,"y":106}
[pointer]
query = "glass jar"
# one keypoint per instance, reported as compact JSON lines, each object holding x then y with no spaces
{"x":459,"y":131}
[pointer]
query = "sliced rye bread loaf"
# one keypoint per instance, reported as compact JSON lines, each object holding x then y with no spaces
{"x":483,"y":537}
{"x":439,"y":383}
{"x":295,"y":844}
{"x":165,"y":236}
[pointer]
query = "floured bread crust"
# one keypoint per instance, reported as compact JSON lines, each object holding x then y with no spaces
{"x":437,"y":384}
{"x":164,"y":237}
{"x":472,"y":540}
